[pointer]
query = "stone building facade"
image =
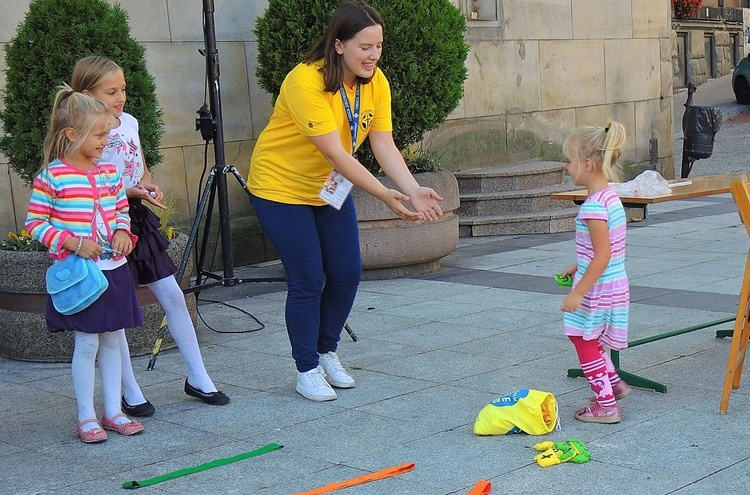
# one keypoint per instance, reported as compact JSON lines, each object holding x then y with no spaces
{"x":534,"y":73}
{"x":710,"y":43}
{"x":536,"y":68}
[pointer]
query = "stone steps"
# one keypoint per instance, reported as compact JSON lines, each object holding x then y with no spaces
{"x":514,"y":199}
{"x":522,"y":201}
{"x":518,"y":176}
{"x":548,"y":222}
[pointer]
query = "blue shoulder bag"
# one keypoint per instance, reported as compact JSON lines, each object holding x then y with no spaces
{"x":74,"y":284}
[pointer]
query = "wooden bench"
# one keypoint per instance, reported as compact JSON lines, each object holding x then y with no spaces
{"x":680,"y":189}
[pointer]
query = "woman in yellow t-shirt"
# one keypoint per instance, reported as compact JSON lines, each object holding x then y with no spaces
{"x":300,"y":172}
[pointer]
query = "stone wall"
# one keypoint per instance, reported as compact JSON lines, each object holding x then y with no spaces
{"x":691,"y":60}
{"x":534,"y":73}
{"x":536,"y":69}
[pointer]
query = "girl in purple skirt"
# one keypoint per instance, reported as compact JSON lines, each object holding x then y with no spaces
{"x":149,"y":262}
{"x":78,"y":208}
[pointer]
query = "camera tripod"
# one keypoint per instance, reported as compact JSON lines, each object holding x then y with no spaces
{"x":210,"y":125}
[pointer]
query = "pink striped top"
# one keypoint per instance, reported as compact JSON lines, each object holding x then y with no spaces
{"x":64,"y":201}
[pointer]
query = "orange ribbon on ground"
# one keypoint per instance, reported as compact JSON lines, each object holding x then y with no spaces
{"x":481,"y":488}
{"x":366,"y":478}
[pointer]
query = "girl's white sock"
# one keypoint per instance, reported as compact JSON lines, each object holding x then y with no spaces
{"x":171,"y":298}
{"x":83,"y":367}
{"x":110,"y":368}
{"x":130,"y":389}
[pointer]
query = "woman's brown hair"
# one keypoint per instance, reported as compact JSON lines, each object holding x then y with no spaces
{"x":351,"y":17}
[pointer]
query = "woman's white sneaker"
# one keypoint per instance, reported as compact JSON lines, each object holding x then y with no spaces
{"x":313,"y":385}
{"x":335,"y":373}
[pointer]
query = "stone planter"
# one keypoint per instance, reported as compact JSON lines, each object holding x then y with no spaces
{"x":392,"y":247}
{"x":23,"y":329}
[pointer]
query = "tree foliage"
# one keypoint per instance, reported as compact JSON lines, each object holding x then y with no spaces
{"x":53,"y":36}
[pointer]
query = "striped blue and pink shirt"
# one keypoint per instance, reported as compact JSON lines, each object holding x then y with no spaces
{"x":65,"y":200}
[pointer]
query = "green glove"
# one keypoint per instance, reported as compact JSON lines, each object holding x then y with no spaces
{"x":574,"y":451}
{"x":553,"y":453}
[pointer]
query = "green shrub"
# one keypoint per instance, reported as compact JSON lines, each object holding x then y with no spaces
{"x":422,"y":160}
{"x":54,"y":35}
{"x":423,"y":57}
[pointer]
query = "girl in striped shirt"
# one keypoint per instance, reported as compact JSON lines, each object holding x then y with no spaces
{"x":78,"y":208}
{"x":596,"y":309}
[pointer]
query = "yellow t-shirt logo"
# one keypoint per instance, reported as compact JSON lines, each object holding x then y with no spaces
{"x":366,"y":119}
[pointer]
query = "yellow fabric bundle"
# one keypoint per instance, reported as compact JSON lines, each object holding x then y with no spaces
{"x":529,"y":411}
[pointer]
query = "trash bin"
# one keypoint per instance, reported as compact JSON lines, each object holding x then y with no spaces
{"x":699,"y":126}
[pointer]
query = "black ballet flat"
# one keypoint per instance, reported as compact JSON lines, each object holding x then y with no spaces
{"x":217,"y":398}
{"x":138,"y":410}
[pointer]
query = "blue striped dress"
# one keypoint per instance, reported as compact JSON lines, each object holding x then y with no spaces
{"x":603,"y":314}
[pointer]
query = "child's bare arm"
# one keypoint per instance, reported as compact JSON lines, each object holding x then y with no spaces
{"x":602,"y":253}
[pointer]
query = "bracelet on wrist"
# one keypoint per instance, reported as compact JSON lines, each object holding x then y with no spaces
{"x":80,"y":243}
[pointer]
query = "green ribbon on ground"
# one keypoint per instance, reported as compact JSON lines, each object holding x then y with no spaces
{"x":203,"y":467}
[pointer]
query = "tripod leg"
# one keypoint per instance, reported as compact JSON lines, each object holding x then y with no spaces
{"x":201,"y":258}
{"x":196,"y":222}
{"x":351,"y":332}
{"x":239,"y":178}
{"x":157,"y":345}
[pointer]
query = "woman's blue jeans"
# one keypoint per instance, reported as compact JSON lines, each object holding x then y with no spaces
{"x":319,"y":248}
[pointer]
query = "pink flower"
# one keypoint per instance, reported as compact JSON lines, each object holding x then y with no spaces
{"x":683,"y":9}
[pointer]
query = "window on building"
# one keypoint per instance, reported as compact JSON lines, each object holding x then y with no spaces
{"x":480,"y":10}
{"x":682,"y":65}
{"x":710,"y":55}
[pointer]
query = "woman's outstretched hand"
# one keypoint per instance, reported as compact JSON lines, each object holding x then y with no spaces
{"x":425,"y":201}
{"x":394,"y":199}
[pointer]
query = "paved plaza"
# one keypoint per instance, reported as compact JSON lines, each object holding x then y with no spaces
{"x":431,"y":352}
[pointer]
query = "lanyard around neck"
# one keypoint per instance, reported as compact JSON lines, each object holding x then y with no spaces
{"x":352,"y":117}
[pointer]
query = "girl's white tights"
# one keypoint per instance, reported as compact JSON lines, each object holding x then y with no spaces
{"x":171,"y":298}
{"x":87,"y":347}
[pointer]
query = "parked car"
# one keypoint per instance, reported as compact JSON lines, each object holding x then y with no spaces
{"x":741,"y":81}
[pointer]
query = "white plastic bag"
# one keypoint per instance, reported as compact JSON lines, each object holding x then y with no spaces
{"x":648,"y":183}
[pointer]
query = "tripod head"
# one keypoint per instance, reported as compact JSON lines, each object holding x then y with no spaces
{"x":205,"y":123}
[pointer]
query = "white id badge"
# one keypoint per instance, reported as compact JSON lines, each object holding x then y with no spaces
{"x":335,"y":190}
